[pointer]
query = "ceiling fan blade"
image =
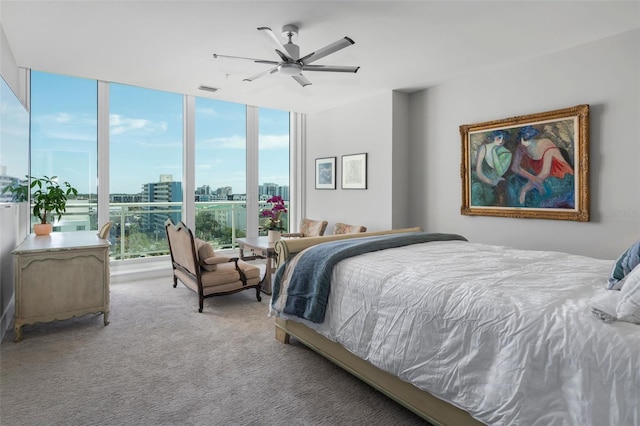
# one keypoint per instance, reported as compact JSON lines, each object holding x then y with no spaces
{"x":301,"y":79}
{"x":327,"y":50}
{"x":257,"y":61}
{"x":263,"y":73}
{"x":280,"y":49}
{"x":283,"y":56}
{"x":331,"y":68}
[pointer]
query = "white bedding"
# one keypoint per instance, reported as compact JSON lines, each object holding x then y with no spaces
{"x":507,"y":335}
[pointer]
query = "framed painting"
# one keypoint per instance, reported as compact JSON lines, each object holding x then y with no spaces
{"x":354,"y":171}
{"x":326,"y":173}
{"x":533,"y":166}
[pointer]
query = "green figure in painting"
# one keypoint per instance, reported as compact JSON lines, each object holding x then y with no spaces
{"x":488,"y":187}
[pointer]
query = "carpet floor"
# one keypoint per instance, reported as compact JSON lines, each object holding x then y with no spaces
{"x":160,"y":362}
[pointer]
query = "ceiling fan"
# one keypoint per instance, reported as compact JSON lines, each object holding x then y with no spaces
{"x":291,"y":63}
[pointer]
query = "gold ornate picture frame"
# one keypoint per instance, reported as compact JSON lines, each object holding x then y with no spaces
{"x":532,"y":166}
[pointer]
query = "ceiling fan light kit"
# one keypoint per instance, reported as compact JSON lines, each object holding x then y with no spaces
{"x":291,"y":64}
{"x":290,"y":68}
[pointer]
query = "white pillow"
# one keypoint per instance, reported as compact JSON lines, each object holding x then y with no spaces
{"x":628,"y":308}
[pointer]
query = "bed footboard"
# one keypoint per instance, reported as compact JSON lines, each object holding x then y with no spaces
{"x":425,"y":405}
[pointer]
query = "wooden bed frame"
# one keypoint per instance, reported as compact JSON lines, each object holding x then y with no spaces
{"x":422,"y":403}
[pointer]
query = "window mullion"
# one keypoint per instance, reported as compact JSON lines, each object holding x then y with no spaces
{"x":188,"y":159}
{"x":252,"y":171}
{"x":103,"y":152}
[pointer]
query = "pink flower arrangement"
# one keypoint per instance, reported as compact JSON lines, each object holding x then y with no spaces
{"x":274,"y":213}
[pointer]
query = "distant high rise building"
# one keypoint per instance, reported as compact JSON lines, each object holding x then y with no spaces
{"x":204,"y":190}
{"x":283,"y":191}
{"x":268,"y":190}
{"x":166,"y":190}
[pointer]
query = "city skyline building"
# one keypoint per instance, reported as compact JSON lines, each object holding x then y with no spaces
{"x":166,"y":190}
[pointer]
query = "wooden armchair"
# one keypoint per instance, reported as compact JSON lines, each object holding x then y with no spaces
{"x":343,"y":228}
{"x":309,"y":228}
{"x":104,"y":231}
{"x":199,"y":268}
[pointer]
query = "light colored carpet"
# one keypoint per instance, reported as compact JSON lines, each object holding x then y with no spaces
{"x":160,"y":362}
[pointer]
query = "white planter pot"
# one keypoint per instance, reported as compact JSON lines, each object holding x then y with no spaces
{"x":274,"y":236}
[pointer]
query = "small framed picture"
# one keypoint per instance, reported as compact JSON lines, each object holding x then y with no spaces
{"x":354,"y":171}
{"x":326,"y":173}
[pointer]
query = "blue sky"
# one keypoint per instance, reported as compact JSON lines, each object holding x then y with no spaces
{"x":146,"y":136}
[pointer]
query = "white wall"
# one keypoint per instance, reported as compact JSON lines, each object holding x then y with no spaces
{"x":364,"y":126}
{"x":10,"y":224}
{"x":604,"y":74}
{"x":14,"y":76}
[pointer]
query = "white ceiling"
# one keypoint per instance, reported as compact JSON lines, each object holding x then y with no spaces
{"x":399,"y":45}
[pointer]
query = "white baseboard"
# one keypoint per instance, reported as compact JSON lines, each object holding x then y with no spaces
{"x":137,"y":269}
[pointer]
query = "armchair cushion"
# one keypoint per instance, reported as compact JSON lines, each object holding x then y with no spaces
{"x":207,"y":258}
{"x":204,"y":249}
{"x":313,"y":228}
{"x":343,"y":228}
{"x":309,"y":228}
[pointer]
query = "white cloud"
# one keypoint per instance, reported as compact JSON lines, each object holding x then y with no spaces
{"x":230,"y":142}
{"x":274,"y":141}
{"x":155,"y":144}
{"x":65,"y":126}
{"x":120,"y":125}
{"x":209,"y":112}
{"x":63,"y":118}
{"x":239,"y":142}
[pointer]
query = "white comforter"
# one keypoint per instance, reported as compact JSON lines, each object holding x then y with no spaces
{"x":507,"y":335}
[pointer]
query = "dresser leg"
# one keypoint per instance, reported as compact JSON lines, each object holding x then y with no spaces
{"x":106,"y":318}
{"x":18,"y":332}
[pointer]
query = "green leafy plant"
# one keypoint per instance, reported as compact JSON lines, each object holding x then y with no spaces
{"x":50,"y":197}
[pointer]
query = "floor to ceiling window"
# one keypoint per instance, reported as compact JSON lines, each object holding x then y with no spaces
{"x":273,"y":161}
{"x":145,"y":167}
{"x":64,"y":142}
{"x":220,"y":171}
{"x":141,"y":161}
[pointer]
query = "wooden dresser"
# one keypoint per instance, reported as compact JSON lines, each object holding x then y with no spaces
{"x":60,"y":276}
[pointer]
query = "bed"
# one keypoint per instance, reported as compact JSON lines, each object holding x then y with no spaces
{"x":464,"y":333}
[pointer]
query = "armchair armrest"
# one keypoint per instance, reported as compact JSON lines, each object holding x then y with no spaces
{"x":209,"y":264}
{"x":243,"y":277}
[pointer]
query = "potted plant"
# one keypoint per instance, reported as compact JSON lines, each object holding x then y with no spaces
{"x":49,"y":201}
{"x":274,"y":223}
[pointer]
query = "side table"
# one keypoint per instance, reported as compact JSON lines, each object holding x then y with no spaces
{"x":259,"y":248}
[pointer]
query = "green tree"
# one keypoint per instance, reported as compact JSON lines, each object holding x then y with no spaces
{"x":206,"y":225}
